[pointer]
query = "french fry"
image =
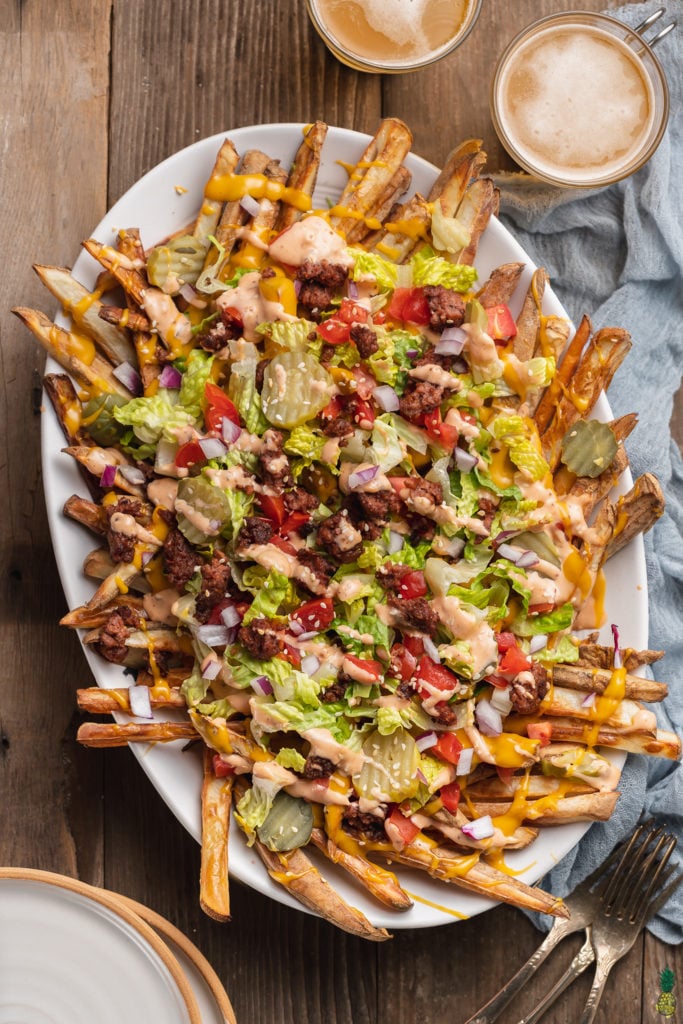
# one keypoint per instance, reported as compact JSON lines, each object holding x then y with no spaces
{"x":113,"y":585}
{"x":593,"y":655}
{"x":125,"y":318}
{"x":462,"y":166}
{"x":571,"y":808}
{"x":87,"y":513}
{"x":97,"y":701}
{"x":85,"y":309}
{"x":382,"y":884}
{"x":403,"y":231}
{"x":96,"y":734}
{"x":214,"y":889}
{"x":386,"y":202}
{"x":500,"y":285}
{"x":475,"y":210}
{"x":209,"y":214}
{"x":96,"y":460}
{"x":304,"y":172}
{"x":72,"y":351}
{"x":596,"y":680}
{"x":637,"y":512}
{"x":529,"y":319}
{"x":546,"y":407}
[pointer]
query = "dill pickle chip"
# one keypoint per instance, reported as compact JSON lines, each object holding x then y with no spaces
{"x":295,"y":388}
{"x":98,"y":419}
{"x":389,"y":770}
{"x":203,"y":511}
{"x":178,"y":262}
{"x":588,"y":448}
{"x":288,"y":825}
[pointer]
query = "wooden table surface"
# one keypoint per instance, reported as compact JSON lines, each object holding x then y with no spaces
{"x":94,"y":94}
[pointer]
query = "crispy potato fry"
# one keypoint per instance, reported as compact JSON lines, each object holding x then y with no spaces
{"x":304,"y":172}
{"x":593,"y":655}
{"x":102,"y":702}
{"x":500,"y":285}
{"x":125,"y":318}
{"x":88,"y":513}
{"x":403,"y":231}
{"x":596,"y":680}
{"x":637,"y":512}
{"x":475,"y":210}
{"x":96,"y":734}
{"x":209,"y":214}
{"x":96,"y":460}
{"x":377,"y":880}
{"x":387,"y":201}
{"x":214,"y":888}
{"x":86,"y":310}
{"x":529,"y":319}
{"x":462,"y":166}
{"x":546,"y":407}
{"x":580,"y":807}
{"x":114,"y":584}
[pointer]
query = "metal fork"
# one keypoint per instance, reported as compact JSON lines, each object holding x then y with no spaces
{"x":623,"y":902}
{"x":583,"y":905}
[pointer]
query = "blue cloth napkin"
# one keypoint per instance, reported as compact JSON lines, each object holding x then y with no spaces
{"x":617,"y":254}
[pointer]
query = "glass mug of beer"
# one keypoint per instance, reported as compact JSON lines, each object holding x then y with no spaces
{"x":392,"y":36}
{"x":579,"y":99}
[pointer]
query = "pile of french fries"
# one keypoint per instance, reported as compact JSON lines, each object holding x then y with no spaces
{"x":370,"y":213}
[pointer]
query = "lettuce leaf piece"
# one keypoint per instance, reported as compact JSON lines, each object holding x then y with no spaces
{"x":194,"y":688}
{"x":217,"y":709}
{"x":442,"y":575}
{"x":276,"y":590}
{"x":387,"y":449}
{"x":289,"y":334}
{"x":412,"y":436}
{"x":552,"y":622}
{"x":154,"y":416}
{"x":196,"y":375}
{"x":389,"y":720}
{"x":524,"y":452}
{"x":368,"y":265}
{"x":564,"y":652}
{"x":346,"y":355}
{"x":208,"y":282}
{"x":367,"y":625}
{"x":288,"y":757}
{"x":240,"y":505}
{"x":288,"y":716}
{"x":430,"y":269}
{"x":242,"y":390}
{"x":254,"y":807}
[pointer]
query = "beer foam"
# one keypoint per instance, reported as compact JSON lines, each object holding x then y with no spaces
{"x":400,"y":21}
{"x":575,"y":102}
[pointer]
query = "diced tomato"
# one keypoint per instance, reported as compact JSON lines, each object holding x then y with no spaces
{"x":333,"y":409}
{"x":404,"y":826}
{"x":334,"y":331}
{"x":541,"y":609}
{"x":505,"y":641}
{"x":379,"y":317}
{"x":450,"y":796}
{"x":351,"y":312}
{"x":399,"y":483}
{"x":294,"y":522}
{"x":412,"y":584}
{"x":403,"y":663}
{"x":220,"y":768}
{"x":361,"y":412}
{"x":443,"y":433}
{"x":505,"y":774}
{"x":218,"y":408}
{"x":189,"y":454}
{"x":513,"y":661}
{"x":447,"y":747}
{"x":502,"y":325}
{"x":541,"y":731}
{"x":364,"y":382}
{"x":373,"y":668}
{"x":409,"y":305}
{"x":290,"y":654}
{"x":283,"y":545}
{"x":273,"y":508}
{"x":415,"y":645}
{"x":498,"y":681}
{"x":232,"y":317}
{"x":435,"y":676}
{"x":316,"y":614}
{"x":215,"y":613}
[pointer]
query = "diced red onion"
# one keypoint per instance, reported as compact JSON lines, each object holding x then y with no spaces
{"x":230,"y":431}
{"x":537,"y":643}
{"x":500,"y":700}
{"x":386,"y":398}
{"x":504,"y":535}
{"x":396,"y":542}
{"x":488,"y":719}
{"x":465,"y":461}
{"x":588,"y":701}
{"x":464,"y":765}
{"x":352,"y":290}
{"x":507,"y":551}
{"x":146,"y":557}
{"x":213,"y":636}
{"x":129,"y":377}
{"x":140,"y":704}
{"x":451,"y":342}
{"x":527,"y":559}
{"x":108,"y":476}
{"x":295,"y":627}
{"x":421,"y":777}
{"x":480,"y":828}
{"x":617,"y":652}
{"x":360,"y":477}
{"x":426,"y":740}
{"x":262,"y":686}
{"x":431,"y":650}
{"x":310,"y":635}
{"x":170,"y":377}
{"x":451,"y":546}
{"x":212,"y":447}
{"x":230,"y":616}
{"x":250,"y":204}
{"x":310,"y":664}
{"x":297,"y":287}
{"x":132,"y":474}
{"x":191,"y":296}
{"x":412,"y":353}
{"x":211,"y":668}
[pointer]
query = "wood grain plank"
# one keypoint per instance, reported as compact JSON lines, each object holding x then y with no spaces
{"x":53,"y":166}
{"x":182,"y":71}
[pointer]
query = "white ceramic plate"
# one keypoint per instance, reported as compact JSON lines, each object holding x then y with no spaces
{"x":70,"y":955}
{"x":158,"y":206}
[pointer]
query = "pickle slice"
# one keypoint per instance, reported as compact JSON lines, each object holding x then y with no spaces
{"x":588,"y":448}
{"x":389,"y":772}
{"x":295,"y":388}
{"x":207,"y":512}
{"x":98,"y":419}
{"x":178,"y":262}
{"x":288,"y":825}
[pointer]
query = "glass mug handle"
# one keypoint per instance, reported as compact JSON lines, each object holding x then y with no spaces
{"x":650,"y":20}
